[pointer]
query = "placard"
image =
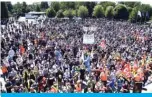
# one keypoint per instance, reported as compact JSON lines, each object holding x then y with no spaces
{"x":88,"y":39}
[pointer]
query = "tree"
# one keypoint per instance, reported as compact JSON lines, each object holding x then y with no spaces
{"x":143,"y":8}
{"x":69,"y":13}
{"x":90,"y":6}
{"x":60,"y":14}
{"x":4,"y":10}
{"x":9,"y":6}
{"x":55,"y":6}
{"x":137,"y":4}
{"x":129,"y":9}
{"x":32,"y":7}
{"x":82,"y":11}
{"x":37,"y":8}
{"x":151,"y":18}
{"x":105,"y":4}
{"x":131,"y":4}
{"x":24,"y":7}
{"x":44,"y":5}
{"x":20,"y":9}
{"x":67,"y":5}
{"x":121,"y":12}
{"x":109,"y":12}
{"x":98,"y":11}
{"x":133,"y":15}
{"x":78,"y":4}
{"x":50,"y":12}
{"x":17,"y":9}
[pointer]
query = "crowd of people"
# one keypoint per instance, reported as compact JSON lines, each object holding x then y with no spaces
{"x":50,"y":56}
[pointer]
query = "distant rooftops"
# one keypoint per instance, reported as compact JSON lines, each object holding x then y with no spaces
{"x":34,"y":12}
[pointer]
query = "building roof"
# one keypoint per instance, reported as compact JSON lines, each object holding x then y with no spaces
{"x":28,"y":16}
{"x":34,"y":12}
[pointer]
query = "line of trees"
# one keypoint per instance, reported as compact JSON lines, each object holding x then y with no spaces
{"x":122,"y":10}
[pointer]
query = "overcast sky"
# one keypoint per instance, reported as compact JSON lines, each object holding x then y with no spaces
{"x":32,"y":1}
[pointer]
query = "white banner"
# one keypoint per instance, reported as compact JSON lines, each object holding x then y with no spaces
{"x":93,"y":28}
{"x":88,"y":39}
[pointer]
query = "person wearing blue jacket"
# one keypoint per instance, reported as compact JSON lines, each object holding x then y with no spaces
{"x":87,"y":62}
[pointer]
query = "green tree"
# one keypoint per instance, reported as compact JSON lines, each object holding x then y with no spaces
{"x":137,"y":4}
{"x":130,"y":4}
{"x":78,"y":4}
{"x":21,"y":8}
{"x":98,"y":11}
{"x":133,"y":15}
{"x":151,"y":18}
{"x":56,"y":6}
{"x":144,"y":8}
{"x":129,"y":9}
{"x":82,"y":11}
{"x":34,"y":7}
{"x":67,"y":5}
{"x":60,"y":14}
{"x":4,"y":10}
{"x":24,"y":7}
{"x":105,"y":4}
{"x":9,"y":6}
{"x":44,"y":5}
{"x":37,"y":8}
{"x":17,"y":8}
{"x":31,"y":7}
{"x":69,"y":13}
{"x":50,"y":12}
{"x":109,"y":12}
{"x":90,"y":6}
{"x":121,"y":12}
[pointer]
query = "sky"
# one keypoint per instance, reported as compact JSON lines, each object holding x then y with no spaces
{"x":32,"y":1}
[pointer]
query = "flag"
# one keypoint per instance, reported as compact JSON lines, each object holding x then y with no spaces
{"x":103,"y":44}
{"x":139,"y":13}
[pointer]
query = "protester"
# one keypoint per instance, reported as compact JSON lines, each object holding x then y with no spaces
{"x":51,"y":57}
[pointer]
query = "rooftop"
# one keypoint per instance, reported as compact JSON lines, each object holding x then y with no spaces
{"x":34,"y":12}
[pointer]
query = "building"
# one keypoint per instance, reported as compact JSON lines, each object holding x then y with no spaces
{"x":32,"y":17}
